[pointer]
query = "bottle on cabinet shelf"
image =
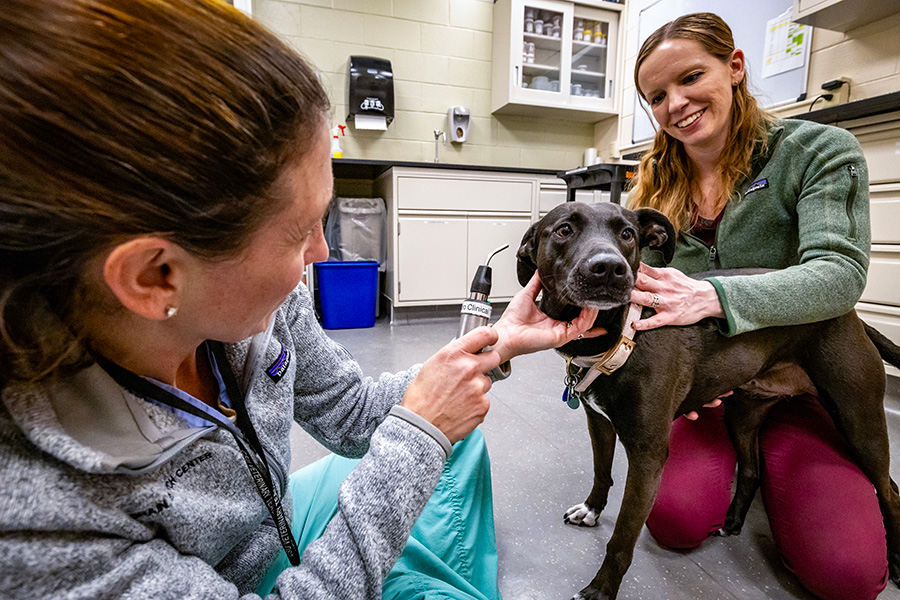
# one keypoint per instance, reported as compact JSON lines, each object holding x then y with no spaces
{"x":587,"y":32}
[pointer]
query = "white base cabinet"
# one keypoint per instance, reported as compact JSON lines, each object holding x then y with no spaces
{"x":442,"y":224}
{"x":880,"y":302}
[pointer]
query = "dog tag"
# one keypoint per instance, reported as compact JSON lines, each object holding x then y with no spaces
{"x":570,"y":398}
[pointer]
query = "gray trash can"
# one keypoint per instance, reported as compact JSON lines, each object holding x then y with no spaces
{"x":355,"y":230}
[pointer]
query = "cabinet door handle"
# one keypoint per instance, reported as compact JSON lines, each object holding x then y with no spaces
{"x":436,"y":222}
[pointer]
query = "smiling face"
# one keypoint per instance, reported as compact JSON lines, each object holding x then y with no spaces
{"x":690,"y":93}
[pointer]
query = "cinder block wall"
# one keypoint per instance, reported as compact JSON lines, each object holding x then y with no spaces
{"x":440,"y":51}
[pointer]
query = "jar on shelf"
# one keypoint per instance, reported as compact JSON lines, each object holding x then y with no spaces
{"x":578,"y":30}
{"x":538,"y":27}
{"x":529,"y":58}
{"x":529,"y":25}
{"x":556,"y":26}
{"x":587,"y":34}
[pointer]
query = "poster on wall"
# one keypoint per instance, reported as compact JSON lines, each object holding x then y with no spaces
{"x":786,"y":44}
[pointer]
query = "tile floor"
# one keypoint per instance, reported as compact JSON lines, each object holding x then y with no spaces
{"x":541,"y":465}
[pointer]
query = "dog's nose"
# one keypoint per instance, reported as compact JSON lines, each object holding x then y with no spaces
{"x":606,"y":269}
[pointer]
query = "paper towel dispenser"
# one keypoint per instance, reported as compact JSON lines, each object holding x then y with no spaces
{"x":371,"y":89}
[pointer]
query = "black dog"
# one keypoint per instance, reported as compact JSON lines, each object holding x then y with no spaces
{"x":588,"y":256}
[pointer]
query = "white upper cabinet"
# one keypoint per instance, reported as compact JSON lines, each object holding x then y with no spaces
{"x":555,"y":55}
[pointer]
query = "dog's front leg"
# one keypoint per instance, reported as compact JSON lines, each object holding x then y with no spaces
{"x":603,"y":444}
{"x":646,"y":457}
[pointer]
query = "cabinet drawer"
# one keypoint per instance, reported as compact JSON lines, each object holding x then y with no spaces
{"x":464,"y":194}
{"x":885,"y":319}
{"x":883,"y":283}
{"x":882,"y":151}
{"x":885,"y":209}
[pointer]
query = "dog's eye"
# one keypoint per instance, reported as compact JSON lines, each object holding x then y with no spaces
{"x":627,"y":234}
{"x":564,"y":230}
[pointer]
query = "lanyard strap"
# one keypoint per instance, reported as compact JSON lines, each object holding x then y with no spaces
{"x":262,"y":477}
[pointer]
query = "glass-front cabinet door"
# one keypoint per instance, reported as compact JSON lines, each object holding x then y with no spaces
{"x":592,"y":69}
{"x":542,"y":48}
{"x":554,"y":54}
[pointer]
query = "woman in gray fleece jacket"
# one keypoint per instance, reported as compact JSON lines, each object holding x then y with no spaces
{"x":164,"y":172}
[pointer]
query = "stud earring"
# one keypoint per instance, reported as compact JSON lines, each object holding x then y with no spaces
{"x":170,"y":311}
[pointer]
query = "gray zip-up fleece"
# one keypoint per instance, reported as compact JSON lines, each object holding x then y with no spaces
{"x":105,"y":495}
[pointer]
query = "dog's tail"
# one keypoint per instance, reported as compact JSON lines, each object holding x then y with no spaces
{"x":889,"y":351}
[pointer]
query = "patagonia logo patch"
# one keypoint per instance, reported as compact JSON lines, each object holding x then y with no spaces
{"x":278,"y":368}
{"x":757,"y":185}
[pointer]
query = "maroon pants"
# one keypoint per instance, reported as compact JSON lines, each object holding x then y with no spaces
{"x":822,"y":509}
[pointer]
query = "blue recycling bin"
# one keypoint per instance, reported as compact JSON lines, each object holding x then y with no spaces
{"x":348,"y":293}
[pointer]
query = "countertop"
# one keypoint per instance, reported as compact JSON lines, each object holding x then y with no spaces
{"x":357,"y":168}
{"x":854,"y":110}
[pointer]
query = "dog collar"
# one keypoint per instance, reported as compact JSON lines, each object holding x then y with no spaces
{"x":607,"y":362}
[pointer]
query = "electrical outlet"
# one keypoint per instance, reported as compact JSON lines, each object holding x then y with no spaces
{"x":839,"y":89}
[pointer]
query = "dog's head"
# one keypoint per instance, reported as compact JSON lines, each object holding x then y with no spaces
{"x":587,"y":255}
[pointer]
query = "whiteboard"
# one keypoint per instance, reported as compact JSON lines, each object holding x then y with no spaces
{"x":748,"y":24}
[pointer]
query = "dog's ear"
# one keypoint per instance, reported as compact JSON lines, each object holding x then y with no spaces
{"x":526,"y":259}
{"x":657,"y":232}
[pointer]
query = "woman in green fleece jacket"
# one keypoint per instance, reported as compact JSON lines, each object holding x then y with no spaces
{"x":744,"y":190}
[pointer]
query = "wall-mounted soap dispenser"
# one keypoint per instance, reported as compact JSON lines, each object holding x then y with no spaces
{"x":459,"y":117}
{"x":371,"y":92}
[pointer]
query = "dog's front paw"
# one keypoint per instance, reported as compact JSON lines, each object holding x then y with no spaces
{"x":583,"y":516}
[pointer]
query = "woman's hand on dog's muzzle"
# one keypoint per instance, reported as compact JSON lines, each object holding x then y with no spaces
{"x":523,"y":328}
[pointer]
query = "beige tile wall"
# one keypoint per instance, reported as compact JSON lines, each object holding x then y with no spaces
{"x":440,"y":51}
{"x":868,"y":55}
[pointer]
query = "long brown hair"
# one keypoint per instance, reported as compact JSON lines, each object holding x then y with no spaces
{"x":665,"y":179}
{"x":121,"y":118}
